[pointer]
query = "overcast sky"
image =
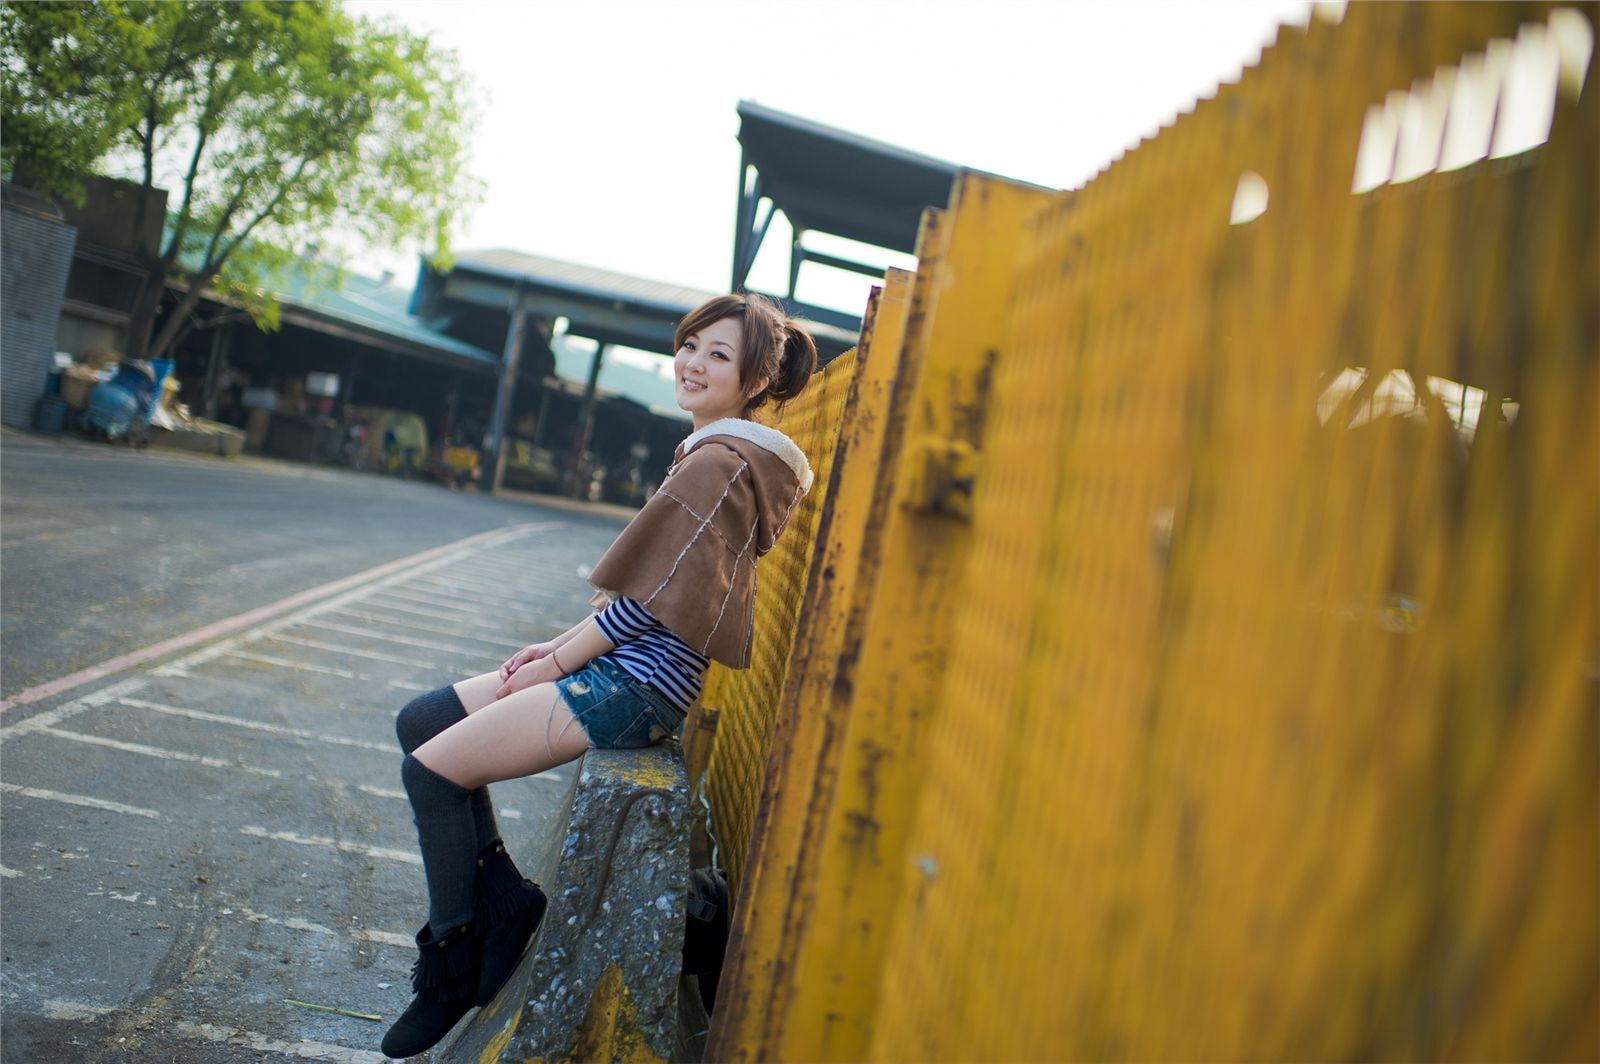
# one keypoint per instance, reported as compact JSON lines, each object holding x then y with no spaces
{"x":608,"y":132}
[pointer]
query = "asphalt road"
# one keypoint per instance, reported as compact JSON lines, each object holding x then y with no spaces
{"x":191,"y":847}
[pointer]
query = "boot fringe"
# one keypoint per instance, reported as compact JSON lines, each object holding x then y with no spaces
{"x":505,"y":904}
{"x":451,"y":969}
{"x":502,"y":891}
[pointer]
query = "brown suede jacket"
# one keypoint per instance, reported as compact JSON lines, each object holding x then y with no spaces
{"x":689,"y":556}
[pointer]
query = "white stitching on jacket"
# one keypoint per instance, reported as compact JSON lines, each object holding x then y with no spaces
{"x":749,"y":629}
{"x":731,"y":581}
{"x":704,"y":521}
{"x":784,"y":522}
{"x":697,"y":516}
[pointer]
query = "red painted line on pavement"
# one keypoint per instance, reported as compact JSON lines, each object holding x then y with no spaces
{"x":244,"y":620}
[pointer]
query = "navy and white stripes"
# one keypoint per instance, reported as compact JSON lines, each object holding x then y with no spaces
{"x":649,"y":651}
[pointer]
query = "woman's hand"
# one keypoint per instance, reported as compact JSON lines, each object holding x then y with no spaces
{"x":531,"y":652}
{"x":537,"y":671}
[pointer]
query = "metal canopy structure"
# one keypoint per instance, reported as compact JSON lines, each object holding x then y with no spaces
{"x":831,"y":181}
{"x":610,"y":308}
{"x":606,"y":306}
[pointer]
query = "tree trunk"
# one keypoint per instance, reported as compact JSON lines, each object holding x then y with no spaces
{"x":172,"y":327}
{"x":146,"y":305}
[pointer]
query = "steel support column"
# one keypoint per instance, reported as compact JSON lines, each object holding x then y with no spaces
{"x":494,"y":441}
{"x":580,"y":480}
{"x":221,"y":340}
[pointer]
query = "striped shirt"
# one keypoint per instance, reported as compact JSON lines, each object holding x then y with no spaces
{"x":650,"y":653}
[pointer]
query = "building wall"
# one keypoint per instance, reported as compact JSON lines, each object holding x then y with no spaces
{"x":36,"y":250}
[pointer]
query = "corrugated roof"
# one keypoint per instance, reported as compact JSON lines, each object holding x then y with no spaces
{"x":571,"y":277}
{"x":371,"y":304}
{"x":661,"y":300}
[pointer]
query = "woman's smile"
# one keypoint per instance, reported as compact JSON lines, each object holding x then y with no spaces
{"x":707,"y":369}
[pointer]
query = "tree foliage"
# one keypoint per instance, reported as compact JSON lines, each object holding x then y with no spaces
{"x":269,"y":123}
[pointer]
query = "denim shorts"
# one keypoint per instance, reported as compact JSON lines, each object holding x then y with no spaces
{"x":618,"y":711}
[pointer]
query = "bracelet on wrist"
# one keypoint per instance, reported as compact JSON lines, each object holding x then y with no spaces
{"x":557,"y":660}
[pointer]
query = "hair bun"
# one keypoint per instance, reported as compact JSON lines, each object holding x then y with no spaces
{"x":796,"y":364}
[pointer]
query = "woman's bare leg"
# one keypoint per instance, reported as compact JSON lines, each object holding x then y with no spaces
{"x":478,"y":691}
{"x":526,"y":732}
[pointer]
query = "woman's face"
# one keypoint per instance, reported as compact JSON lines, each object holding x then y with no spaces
{"x":707,"y":372}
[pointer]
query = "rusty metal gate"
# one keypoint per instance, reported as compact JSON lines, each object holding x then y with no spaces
{"x":1190,"y":648}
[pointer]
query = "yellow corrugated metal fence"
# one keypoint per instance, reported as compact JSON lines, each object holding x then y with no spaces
{"x":1189,"y":650}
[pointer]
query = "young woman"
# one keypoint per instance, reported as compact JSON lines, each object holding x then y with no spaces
{"x":677,"y":587}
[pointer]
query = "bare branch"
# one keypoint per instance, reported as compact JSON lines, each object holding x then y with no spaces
{"x":265,"y":212}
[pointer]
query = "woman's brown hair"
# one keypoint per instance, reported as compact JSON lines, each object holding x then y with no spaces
{"x":772,"y":344}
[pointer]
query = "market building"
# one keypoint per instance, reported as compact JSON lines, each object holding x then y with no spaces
{"x":547,"y":375}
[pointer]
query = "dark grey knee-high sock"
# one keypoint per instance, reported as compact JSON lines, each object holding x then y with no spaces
{"x":426,"y":716}
{"x":443,"y":814}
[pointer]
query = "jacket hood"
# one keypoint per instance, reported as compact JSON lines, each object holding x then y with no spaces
{"x":762,"y":436}
{"x":775,"y":467}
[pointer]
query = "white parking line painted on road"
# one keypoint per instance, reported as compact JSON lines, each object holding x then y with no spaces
{"x":334,"y":648}
{"x":499,"y":597}
{"x":510,"y":576}
{"x":305,"y":1049}
{"x":439,"y":602}
{"x":8,"y":873}
{"x":303,"y":666}
{"x":402,"y":640}
{"x":356,"y":934}
{"x":444,"y":594}
{"x":429,"y":560}
{"x":156,"y":751}
{"x":452,"y":633}
{"x":456,"y":578}
{"x":387,"y":938}
{"x":79,"y":799}
{"x":257,"y":725}
{"x":331,"y":844}
{"x":430,"y":613}
{"x":298,"y":666}
{"x":74,"y":1010}
{"x":68,"y":710}
{"x":407,"y":685}
{"x":408,"y":566}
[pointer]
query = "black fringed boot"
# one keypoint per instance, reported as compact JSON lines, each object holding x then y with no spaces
{"x":509,"y":909}
{"x":444,"y":977}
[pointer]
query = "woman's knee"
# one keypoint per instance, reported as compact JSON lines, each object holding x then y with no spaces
{"x":426,"y":716}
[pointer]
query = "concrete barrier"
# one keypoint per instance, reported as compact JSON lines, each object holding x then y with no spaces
{"x":600,"y":980}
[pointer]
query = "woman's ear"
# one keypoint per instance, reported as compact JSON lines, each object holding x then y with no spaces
{"x":758,"y":386}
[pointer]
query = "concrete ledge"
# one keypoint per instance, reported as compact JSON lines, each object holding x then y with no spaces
{"x":601,"y":978}
{"x":225,"y":440}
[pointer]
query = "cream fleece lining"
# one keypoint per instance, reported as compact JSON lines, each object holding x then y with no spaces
{"x":762,"y":436}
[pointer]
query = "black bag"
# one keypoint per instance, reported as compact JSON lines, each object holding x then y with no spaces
{"x":705,"y":937}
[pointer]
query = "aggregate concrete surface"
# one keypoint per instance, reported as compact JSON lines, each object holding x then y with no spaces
{"x":190,"y":848}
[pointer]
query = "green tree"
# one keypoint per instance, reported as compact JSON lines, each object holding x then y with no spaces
{"x":269,"y":123}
